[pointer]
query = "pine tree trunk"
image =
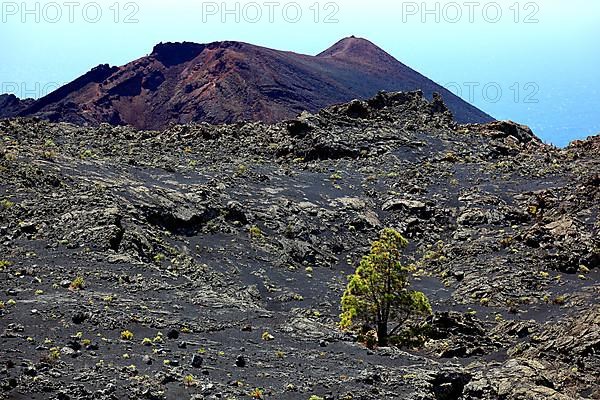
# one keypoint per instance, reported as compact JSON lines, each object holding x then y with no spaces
{"x":382,"y":334}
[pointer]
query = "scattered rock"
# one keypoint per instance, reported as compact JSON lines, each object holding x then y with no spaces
{"x":197,"y":361}
{"x":240,"y":361}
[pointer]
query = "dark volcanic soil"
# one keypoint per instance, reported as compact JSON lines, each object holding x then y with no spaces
{"x":202,"y":241}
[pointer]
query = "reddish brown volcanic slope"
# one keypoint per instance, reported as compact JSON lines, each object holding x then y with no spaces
{"x":226,"y":82}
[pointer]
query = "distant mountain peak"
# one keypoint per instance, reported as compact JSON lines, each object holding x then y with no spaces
{"x":229,"y":81}
{"x":353,"y":47}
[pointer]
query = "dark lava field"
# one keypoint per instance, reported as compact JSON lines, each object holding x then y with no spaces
{"x":208,"y":262}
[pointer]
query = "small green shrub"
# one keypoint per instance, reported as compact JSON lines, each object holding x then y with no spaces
{"x":336,"y":176}
{"x":77,"y":284}
{"x":127,"y":335}
{"x":11,"y":156}
{"x":241,"y":170}
{"x":280,"y":354}
{"x":49,"y":155}
{"x":256,"y":393}
{"x":4,"y":264}
{"x":85,"y":154}
{"x":189,"y":380}
{"x":6,"y":204}
{"x":53,"y":355}
{"x":256,"y":232}
{"x":159,"y":338}
{"x":560,"y":300}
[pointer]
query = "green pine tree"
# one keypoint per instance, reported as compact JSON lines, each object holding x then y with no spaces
{"x":378,"y":291}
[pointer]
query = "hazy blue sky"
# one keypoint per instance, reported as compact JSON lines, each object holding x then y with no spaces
{"x":543,"y":56}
